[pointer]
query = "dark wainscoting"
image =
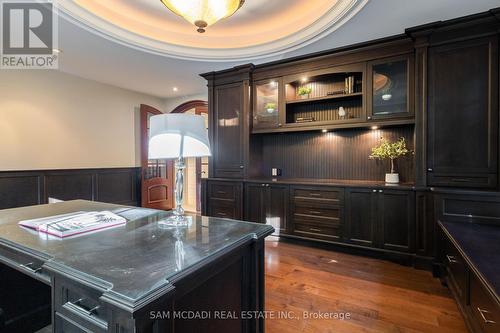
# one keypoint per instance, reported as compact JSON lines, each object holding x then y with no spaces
{"x":341,"y":154}
{"x":113,"y":185}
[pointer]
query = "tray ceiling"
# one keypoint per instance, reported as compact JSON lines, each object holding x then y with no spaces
{"x":261,"y":28}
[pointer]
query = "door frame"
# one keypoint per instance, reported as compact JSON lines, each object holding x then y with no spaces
{"x":144,"y":110}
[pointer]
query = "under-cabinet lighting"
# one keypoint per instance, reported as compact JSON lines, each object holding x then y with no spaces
{"x":374,"y":127}
{"x":324,"y":130}
{"x":304,"y":79}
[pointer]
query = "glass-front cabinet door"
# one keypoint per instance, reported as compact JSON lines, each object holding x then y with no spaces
{"x":390,"y":83}
{"x":266,"y":108}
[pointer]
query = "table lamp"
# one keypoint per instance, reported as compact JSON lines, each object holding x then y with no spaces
{"x":178,"y":136}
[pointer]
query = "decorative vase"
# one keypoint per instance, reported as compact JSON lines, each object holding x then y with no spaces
{"x":304,"y":96}
{"x":392,"y":178}
{"x":270,"y":110}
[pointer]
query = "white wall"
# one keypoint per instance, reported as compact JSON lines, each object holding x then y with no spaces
{"x":52,"y":120}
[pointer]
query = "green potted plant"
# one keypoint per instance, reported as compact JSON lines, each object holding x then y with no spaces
{"x":304,"y":92}
{"x":390,"y":151}
{"x":270,"y":107}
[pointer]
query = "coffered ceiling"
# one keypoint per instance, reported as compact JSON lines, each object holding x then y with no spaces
{"x":142,"y":46}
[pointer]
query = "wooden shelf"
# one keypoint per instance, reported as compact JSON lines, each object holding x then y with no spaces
{"x":324,"y":98}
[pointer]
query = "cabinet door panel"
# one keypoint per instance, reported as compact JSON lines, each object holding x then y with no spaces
{"x":254,"y":203}
{"x":228,"y":130}
{"x":360,"y":212}
{"x":277,"y":208}
{"x":463,"y":113}
{"x":390,"y":88}
{"x":396,"y":218}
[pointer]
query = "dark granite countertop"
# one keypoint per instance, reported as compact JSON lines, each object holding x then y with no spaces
{"x":325,"y":182}
{"x":134,"y":259}
{"x":480,"y":245}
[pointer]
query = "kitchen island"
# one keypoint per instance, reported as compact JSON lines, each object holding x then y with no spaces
{"x":138,"y":277}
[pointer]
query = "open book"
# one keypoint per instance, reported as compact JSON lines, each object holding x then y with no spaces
{"x":74,"y":223}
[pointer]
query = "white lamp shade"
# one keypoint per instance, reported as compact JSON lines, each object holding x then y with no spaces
{"x":176,"y":135}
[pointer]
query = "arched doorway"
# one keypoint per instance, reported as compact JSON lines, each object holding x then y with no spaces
{"x":196,"y":168}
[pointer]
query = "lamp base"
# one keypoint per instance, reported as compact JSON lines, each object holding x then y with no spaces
{"x":175,"y":221}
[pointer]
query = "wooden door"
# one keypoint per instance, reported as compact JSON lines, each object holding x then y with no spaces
{"x":157,"y":181}
{"x":360,"y":214}
{"x":277,"y":199}
{"x":254,"y":202}
{"x":396,"y":220}
{"x":462,"y":141}
{"x":228,"y":113}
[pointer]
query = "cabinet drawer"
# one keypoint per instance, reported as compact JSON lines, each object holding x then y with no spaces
{"x":223,"y":191}
{"x":485,"y":309}
{"x":317,"y":211}
{"x":463,"y":180}
{"x":81,"y":305}
{"x":316,"y":230}
{"x":24,"y":262}
{"x":223,"y":209}
{"x":328,"y":195}
{"x":63,"y":325}
{"x":457,"y":270}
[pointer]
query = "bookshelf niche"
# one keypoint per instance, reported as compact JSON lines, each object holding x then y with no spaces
{"x":324,"y":98}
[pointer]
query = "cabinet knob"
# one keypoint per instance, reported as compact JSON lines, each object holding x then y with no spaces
{"x":369,"y":118}
{"x":374,"y":191}
{"x":267,"y":185}
{"x":242,"y":167}
{"x":262,"y":185}
{"x":430,"y":169}
{"x":380,"y":191}
{"x":280,"y":124}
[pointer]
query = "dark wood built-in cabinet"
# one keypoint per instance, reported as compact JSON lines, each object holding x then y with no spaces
{"x":381,"y":218}
{"x":317,"y":212}
{"x":228,"y":135}
{"x":462,"y":147}
{"x":390,"y":82}
{"x":316,"y":117}
{"x":225,"y":199}
{"x":314,"y":120}
{"x":267,"y":203}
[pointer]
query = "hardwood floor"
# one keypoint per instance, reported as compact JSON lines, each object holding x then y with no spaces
{"x":379,"y":296}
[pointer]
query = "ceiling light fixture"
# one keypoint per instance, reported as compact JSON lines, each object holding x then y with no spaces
{"x":203,"y":13}
{"x":175,"y":89}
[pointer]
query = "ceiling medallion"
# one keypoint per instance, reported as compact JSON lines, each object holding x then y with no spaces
{"x":203,"y":13}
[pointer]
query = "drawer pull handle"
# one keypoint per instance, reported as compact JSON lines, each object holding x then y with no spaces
{"x":28,"y":267}
{"x":461,"y":180}
{"x":482,"y":312}
{"x":316,"y":212}
{"x":76,"y":304}
{"x":451,"y":259}
{"x":222,"y":214}
{"x":315,"y":229}
{"x":221,"y":192}
{"x":314,"y":194}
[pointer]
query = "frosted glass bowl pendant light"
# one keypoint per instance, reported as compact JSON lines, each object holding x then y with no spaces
{"x":203,"y":13}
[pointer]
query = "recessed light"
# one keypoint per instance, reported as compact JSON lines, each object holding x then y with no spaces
{"x":304,"y":79}
{"x":324,"y":130}
{"x":374,"y":127}
{"x":175,"y":89}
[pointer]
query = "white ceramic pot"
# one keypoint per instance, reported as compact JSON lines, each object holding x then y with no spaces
{"x":392,"y":178}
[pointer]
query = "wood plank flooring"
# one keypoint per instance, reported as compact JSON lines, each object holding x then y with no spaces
{"x":379,"y":296}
